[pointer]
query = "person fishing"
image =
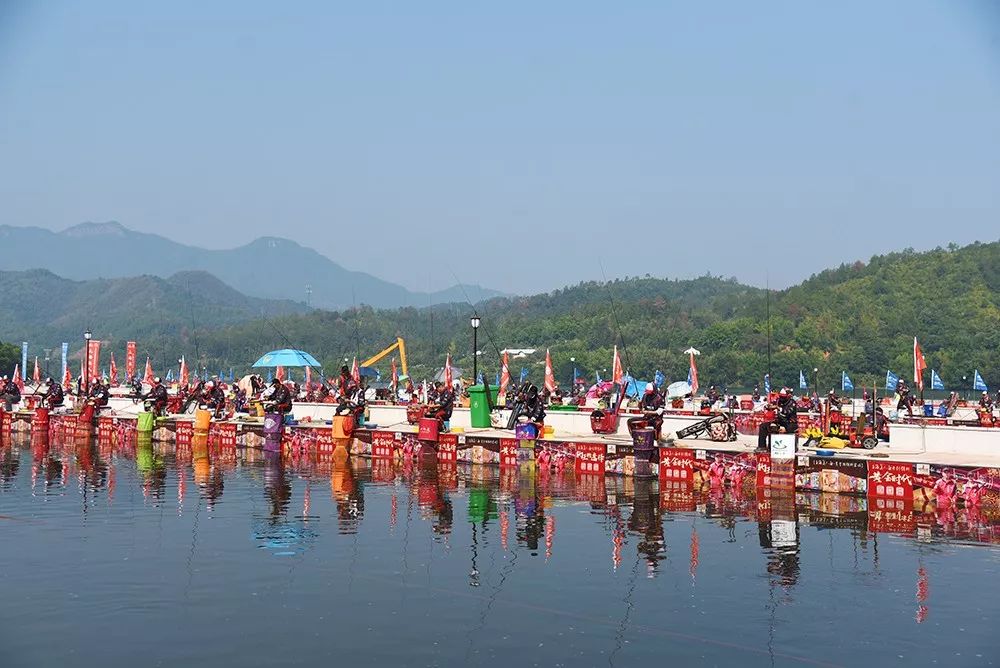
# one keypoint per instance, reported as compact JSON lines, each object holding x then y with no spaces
{"x":157,"y":395}
{"x":530,"y":404}
{"x":905,"y":400}
{"x":712,"y":396}
{"x":345,"y":383}
{"x":11,"y":394}
{"x":280,"y":398}
{"x":99,"y":394}
{"x":54,"y":397}
{"x":443,"y":405}
{"x":785,"y":419}
{"x":986,"y":402}
{"x":651,"y":405}
{"x":214,"y":399}
{"x":756,"y":393}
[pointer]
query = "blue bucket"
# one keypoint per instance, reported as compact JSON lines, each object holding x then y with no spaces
{"x":928,"y":410}
{"x":525,"y":431}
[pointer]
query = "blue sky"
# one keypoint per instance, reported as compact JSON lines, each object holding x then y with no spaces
{"x":524,"y":142}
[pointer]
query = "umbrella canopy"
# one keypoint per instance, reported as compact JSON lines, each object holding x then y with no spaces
{"x":597,"y":388}
{"x":678,"y":390}
{"x":286,"y":357}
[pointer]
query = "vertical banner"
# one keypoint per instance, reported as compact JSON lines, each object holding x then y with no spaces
{"x":24,"y":359}
{"x":94,"y":370}
{"x":130,"y":360}
{"x":65,"y":354}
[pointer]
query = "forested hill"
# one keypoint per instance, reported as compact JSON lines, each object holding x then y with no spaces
{"x":859,"y":318}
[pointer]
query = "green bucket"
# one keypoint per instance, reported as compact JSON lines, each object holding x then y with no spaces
{"x":145,"y":422}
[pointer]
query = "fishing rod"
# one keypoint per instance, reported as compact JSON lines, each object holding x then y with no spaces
{"x":614,"y":313}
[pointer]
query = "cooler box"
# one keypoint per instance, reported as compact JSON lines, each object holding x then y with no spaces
{"x":479,"y":407}
{"x":427,"y":429}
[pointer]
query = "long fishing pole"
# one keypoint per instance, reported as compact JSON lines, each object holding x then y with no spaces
{"x":767,"y":287}
{"x":614,"y":313}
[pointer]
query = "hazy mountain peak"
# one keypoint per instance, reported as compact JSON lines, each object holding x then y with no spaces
{"x":89,"y":229}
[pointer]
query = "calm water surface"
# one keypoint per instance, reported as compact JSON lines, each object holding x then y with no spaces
{"x":147,"y":556}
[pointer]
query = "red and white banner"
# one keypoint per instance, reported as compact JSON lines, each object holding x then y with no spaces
{"x":693,"y":375}
{"x":130,"y":360}
{"x":37,"y":375}
{"x":355,"y":371}
{"x":67,"y":380}
{"x":280,"y":374}
{"x":184,"y":376}
{"x":504,"y":374}
{"x":919,"y":365}
{"x":18,"y":380}
{"x":550,"y":378}
{"x":148,"y":376}
{"x":617,"y":373}
{"x":94,"y":359}
{"x":448,"y":380}
{"x":113,"y":370}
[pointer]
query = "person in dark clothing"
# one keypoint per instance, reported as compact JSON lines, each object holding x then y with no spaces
{"x":785,"y":419}
{"x":214,"y":399}
{"x":345,"y":383}
{"x":712,"y":396}
{"x":157,"y":395}
{"x":193,"y":396}
{"x":651,"y":404}
{"x":986,"y":402}
{"x":54,"y":397}
{"x":99,"y":394}
{"x":444,"y":403}
{"x":532,"y":407}
{"x":11,"y":394}
{"x":904,"y":396}
{"x":280,"y":400}
{"x":756,"y":393}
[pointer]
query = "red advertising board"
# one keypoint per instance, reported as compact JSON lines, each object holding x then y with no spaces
{"x":184,"y":432}
{"x":130,"y":359}
{"x":890,"y":480}
{"x":508,"y":453}
{"x":383,"y":444}
{"x":891,"y":515}
{"x":676,"y":466}
{"x":447,"y":449}
{"x":105,"y":429}
{"x":590,"y":458}
{"x":223,"y":435}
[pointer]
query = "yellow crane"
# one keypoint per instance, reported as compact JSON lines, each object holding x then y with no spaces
{"x":400,"y":344}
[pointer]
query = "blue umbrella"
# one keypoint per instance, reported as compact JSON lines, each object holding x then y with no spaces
{"x":286,"y":357}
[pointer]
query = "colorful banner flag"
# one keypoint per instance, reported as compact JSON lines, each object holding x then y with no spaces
{"x":449,"y":382}
{"x":37,"y":375}
{"x":617,"y":373}
{"x":845,"y":382}
{"x":919,"y":365}
{"x":148,"y":376}
{"x":279,"y":373}
{"x":659,"y":379}
{"x":67,"y":380}
{"x":113,"y":370}
{"x":891,"y":380}
{"x":693,"y":375}
{"x":18,"y":380}
{"x":767,"y":383}
{"x":65,"y":357}
{"x":936,"y":383}
{"x":170,"y":375}
{"x":394,"y":378}
{"x":356,"y":372}
{"x":184,"y":375}
{"x":24,"y":359}
{"x":978,"y":383}
{"x":550,"y":377}
{"x":803,"y":385}
{"x":504,"y":379}
{"x":524,"y":374}
{"x":130,"y":360}
{"x":94,"y":359}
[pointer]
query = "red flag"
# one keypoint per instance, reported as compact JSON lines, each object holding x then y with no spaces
{"x":309,"y":377}
{"x":17,"y":377}
{"x":550,"y":378}
{"x":919,"y":365}
{"x":448,"y":380}
{"x":504,"y":374}
{"x":67,"y":380}
{"x":37,"y":375}
{"x":693,"y":375}
{"x":355,"y":372}
{"x":130,"y":360}
{"x":280,"y":373}
{"x":184,"y":376}
{"x":94,"y":359}
{"x":617,"y":374}
{"x":113,"y":370}
{"x":395,"y":376}
{"x":148,"y":376}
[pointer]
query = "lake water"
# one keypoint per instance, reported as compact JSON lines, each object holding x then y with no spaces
{"x":144,"y":556}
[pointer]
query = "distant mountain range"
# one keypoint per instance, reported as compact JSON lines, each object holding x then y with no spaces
{"x":268,"y":267}
{"x":45,"y":310}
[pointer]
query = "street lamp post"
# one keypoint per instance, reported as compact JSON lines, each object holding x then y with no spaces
{"x":48,"y":351}
{"x":965,"y":393}
{"x":816,"y":379}
{"x":86,"y":359}
{"x":474,"y":321}
{"x":572,"y":360}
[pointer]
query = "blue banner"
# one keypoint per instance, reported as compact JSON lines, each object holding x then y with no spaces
{"x":659,"y":379}
{"x":689,"y":378}
{"x":936,"y":383}
{"x":170,"y":375}
{"x":524,"y":375}
{"x":767,"y":383}
{"x":24,"y":359}
{"x":65,"y":354}
{"x":803,"y":385}
{"x":891,"y":380}
{"x":845,"y":382}
{"x":977,"y":382}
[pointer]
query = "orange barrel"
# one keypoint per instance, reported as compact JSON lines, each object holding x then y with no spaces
{"x":343,"y":426}
{"x":202,"y":420}
{"x":427,"y":429}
